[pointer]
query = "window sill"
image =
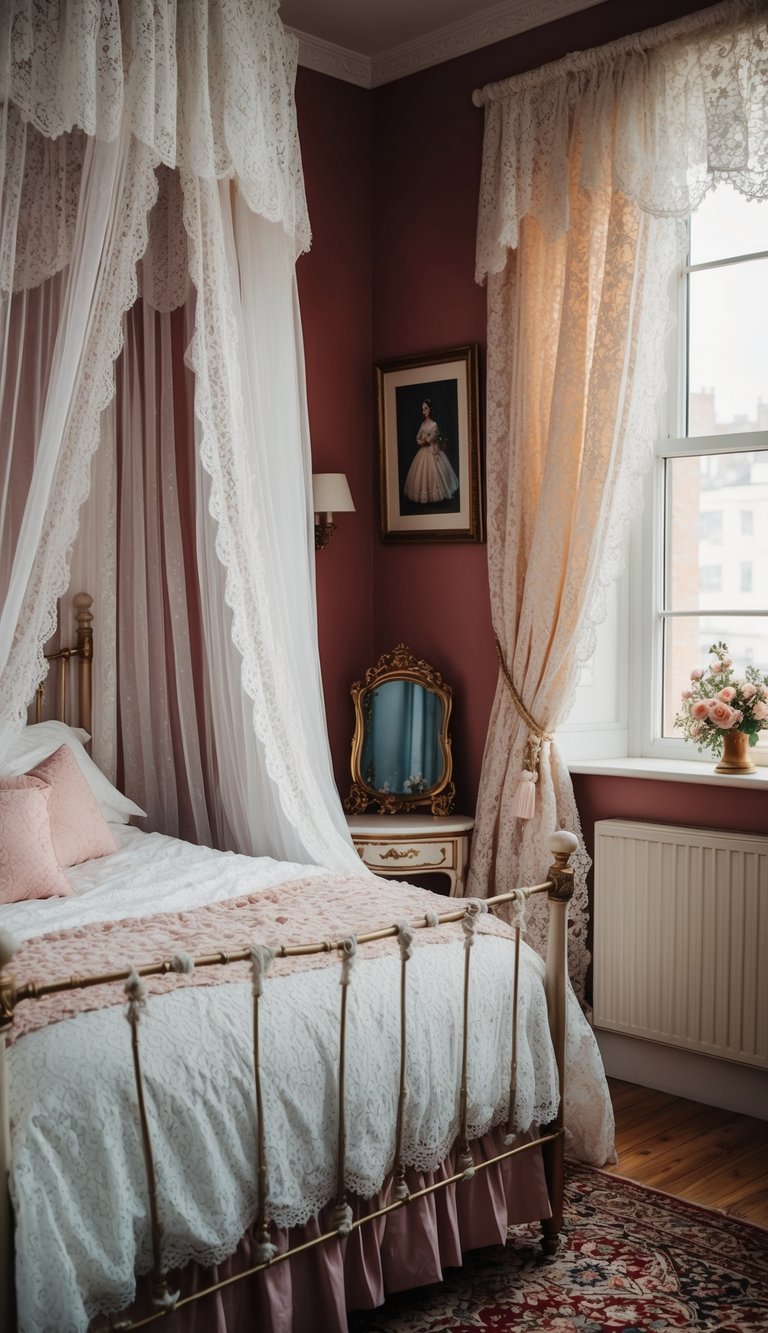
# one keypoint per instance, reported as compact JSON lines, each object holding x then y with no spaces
{"x":673,"y":770}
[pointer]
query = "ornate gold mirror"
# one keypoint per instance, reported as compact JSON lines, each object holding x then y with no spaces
{"x":401,"y":749}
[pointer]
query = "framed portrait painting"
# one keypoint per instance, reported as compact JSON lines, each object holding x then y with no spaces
{"x":429,"y":447}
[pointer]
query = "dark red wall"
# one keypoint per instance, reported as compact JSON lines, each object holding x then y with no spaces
{"x":335,"y":295}
{"x":693,"y":804}
{"x":392,"y":180}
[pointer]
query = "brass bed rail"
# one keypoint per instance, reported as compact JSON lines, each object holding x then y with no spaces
{"x":559,"y":889}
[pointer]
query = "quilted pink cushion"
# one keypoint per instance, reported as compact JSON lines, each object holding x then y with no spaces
{"x":79,"y":831}
{"x":29,"y":867}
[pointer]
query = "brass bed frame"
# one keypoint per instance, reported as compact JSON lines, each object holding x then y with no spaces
{"x":558,"y":887}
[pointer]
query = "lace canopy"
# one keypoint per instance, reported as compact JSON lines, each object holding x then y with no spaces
{"x":590,"y":167}
{"x":152,"y":146}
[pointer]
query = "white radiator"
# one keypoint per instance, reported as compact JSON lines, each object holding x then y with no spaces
{"x":681,"y":938}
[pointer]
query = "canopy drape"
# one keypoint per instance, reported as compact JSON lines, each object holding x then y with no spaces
{"x":590,"y":167}
{"x":164,"y":133}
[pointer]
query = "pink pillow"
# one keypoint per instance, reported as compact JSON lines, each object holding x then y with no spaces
{"x":28,"y":864}
{"x":79,"y":831}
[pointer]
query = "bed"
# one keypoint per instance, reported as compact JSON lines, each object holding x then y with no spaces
{"x":254,"y":1119}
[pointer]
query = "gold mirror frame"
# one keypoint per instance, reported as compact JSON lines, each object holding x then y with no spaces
{"x":400,"y":664}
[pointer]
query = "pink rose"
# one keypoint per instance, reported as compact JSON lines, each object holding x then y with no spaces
{"x":687,"y":694}
{"x":748,"y":690}
{"x":696,"y":730}
{"x":721,"y":714}
{"x":700,"y":710}
{"x":727,"y":694}
{"x":718,"y":667}
{"x":697,"y":674}
{"x":760,"y":711}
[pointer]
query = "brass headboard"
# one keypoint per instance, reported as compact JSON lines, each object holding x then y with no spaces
{"x":83,"y":651}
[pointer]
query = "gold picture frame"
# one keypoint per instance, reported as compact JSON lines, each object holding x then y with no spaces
{"x":429,"y":447}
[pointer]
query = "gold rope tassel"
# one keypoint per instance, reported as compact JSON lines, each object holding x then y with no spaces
{"x":261,"y":961}
{"x":405,"y":940}
{"x":466,"y":1162}
{"x":524,"y":799}
{"x":136,"y":995}
{"x":342,"y":1213}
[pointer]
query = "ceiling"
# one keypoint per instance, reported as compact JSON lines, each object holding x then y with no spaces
{"x":370,"y":42}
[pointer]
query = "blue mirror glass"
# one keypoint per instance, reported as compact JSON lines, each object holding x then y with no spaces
{"x":401,"y":750}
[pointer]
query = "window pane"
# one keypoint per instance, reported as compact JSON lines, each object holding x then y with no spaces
{"x":685,"y":648}
{"x":709,"y":546}
{"x":727,"y":224}
{"x":728,"y":336}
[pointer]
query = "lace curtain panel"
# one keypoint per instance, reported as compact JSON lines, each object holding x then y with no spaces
{"x":164,"y":133}
{"x":590,"y":167}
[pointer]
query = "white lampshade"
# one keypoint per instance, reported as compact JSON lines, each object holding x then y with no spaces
{"x":331,"y":493}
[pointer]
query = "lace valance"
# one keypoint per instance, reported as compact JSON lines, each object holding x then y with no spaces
{"x":662,"y":115}
{"x":208,"y":87}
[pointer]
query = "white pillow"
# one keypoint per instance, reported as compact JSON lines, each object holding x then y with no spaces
{"x":37,"y":742}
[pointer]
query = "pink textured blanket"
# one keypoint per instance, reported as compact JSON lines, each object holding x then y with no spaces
{"x":300,"y":912}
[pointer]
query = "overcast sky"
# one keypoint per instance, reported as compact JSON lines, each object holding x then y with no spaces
{"x":729,"y":306}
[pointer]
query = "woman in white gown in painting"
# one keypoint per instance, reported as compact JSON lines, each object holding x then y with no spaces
{"x":430,"y":477}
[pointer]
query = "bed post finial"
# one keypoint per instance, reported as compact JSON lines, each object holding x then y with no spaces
{"x":84,"y":620}
{"x":562,"y":844}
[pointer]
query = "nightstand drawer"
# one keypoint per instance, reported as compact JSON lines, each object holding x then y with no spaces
{"x":410,"y":854}
{"x":406,"y":845}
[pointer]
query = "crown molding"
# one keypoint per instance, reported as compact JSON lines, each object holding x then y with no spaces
{"x":500,"y":21}
{"x":335,"y":61}
{"x":494,"y":24}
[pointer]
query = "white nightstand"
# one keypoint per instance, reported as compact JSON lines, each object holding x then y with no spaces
{"x":407,"y":845}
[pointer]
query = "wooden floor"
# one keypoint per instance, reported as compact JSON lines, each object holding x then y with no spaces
{"x":712,"y":1157}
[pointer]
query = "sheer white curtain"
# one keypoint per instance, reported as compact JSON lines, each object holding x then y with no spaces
{"x":75,"y":343}
{"x":201,"y":95}
{"x":589,"y":167}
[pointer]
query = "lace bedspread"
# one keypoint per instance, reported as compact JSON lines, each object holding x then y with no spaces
{"x":77,"y":1179}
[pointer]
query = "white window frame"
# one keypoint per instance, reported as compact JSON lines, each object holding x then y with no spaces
{"x":647,"y":593}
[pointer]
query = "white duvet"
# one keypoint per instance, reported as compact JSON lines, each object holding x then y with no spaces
{"x":77,"y":1178}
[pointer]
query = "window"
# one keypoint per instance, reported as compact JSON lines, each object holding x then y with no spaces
{"x":710,"y":489}
{"x":711,"y":578}
{"x":711,"y":525}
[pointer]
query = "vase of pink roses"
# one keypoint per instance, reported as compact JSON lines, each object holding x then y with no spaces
{"x":724,"y":713}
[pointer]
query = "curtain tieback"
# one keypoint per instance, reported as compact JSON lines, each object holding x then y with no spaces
{"x":524,"y":799}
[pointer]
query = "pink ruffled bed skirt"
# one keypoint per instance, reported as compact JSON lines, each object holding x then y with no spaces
{"x":311,"y":1292}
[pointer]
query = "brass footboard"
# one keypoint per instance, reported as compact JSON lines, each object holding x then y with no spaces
{"x":558,"y":887}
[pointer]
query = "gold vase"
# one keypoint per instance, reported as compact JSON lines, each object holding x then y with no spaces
{"x":736,"y":757}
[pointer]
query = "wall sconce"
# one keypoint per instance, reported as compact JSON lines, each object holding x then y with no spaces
{"x":330,"y":495}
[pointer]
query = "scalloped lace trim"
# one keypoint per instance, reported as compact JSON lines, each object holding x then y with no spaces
{"x":116,"y":293}
{"x":106,"y":67}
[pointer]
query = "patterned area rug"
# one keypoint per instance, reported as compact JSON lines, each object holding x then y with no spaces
{"x":630,"y":1259}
